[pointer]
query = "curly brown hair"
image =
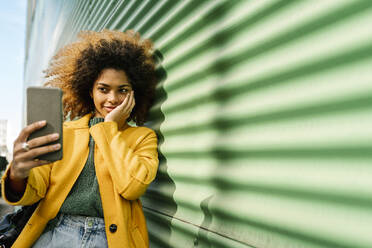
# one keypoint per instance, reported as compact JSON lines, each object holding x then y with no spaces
{"x":76,"y":66}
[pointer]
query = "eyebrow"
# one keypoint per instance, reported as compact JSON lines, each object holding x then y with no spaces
{"x":120,"y":86}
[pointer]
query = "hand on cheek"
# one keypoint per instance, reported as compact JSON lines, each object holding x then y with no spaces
{"x":121,"y":113}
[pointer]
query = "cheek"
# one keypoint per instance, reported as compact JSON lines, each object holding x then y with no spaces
{"x":97,"y":100}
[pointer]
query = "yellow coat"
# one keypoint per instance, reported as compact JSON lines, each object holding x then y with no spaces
{"x":126,"y":162}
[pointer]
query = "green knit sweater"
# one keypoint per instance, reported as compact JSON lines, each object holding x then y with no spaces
{"x":84,"y":198}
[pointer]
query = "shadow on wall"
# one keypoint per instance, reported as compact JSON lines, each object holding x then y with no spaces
{"x":158,"y":202}
{"x":202,"y":238}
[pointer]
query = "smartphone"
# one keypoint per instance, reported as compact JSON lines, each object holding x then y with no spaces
{"x":45,"y":103}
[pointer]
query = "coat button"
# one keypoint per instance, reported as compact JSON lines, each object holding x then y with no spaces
{"x":113,"y":228}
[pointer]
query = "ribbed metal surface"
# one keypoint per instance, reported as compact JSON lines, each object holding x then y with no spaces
{"x":264,"y":116}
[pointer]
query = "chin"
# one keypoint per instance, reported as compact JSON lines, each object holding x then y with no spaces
{"x":100,"y":114}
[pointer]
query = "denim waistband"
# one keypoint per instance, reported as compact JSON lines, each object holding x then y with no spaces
{"x":74,"y":231}
{"x":77,"y":221}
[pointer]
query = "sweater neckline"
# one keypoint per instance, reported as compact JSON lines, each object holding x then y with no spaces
{"x":95,"y":120}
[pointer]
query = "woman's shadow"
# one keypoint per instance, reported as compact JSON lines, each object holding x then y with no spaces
{"x":158,"y":202}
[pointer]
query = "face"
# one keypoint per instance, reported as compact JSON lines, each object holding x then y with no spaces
{"x":109,"y":91}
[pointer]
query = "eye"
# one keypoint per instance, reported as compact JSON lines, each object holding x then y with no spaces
{"x":102,"y":89}
{"x":123,"y":90}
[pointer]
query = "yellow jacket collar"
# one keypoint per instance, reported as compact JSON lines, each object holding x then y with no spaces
{"x":83,"y":122}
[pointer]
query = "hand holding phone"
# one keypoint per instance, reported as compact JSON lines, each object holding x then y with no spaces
{"x":26,"y":157}
{"x":40,"y":142}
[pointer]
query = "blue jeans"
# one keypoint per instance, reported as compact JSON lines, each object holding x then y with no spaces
{"x":74,"y":231}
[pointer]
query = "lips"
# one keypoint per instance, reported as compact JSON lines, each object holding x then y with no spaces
{"x":109,"y":108}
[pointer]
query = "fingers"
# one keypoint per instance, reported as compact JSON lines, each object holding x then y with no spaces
{"x":129,"y":106}
{"x":133,"y":103}
{"x":28,"y":130}
{"x":36,"y":142}
{"x":23,"y":162}
{"x":35,"y":152}
{"x":39,"y":141}
{"x":125,"y":101}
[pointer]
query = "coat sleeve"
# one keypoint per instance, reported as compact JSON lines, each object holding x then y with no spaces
{"x":37,"y":185}
{"x":132,"y":160}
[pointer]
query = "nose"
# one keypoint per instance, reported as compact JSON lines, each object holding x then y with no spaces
{"x":113,"y":98}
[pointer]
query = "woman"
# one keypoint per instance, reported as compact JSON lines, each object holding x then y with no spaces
{"x":90,"y":197}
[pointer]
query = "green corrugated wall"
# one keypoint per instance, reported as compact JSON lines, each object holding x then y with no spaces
{"x":264,"y":115}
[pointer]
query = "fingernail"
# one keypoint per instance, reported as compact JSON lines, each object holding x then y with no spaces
{"x":57,"y":146}
{"x":42,"y":122}
{"x":55,"y":135}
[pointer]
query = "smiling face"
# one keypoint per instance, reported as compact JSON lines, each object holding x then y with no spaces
{"x":109,"y":91}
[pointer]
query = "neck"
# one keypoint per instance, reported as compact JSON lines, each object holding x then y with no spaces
{"x":96,"y":114}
